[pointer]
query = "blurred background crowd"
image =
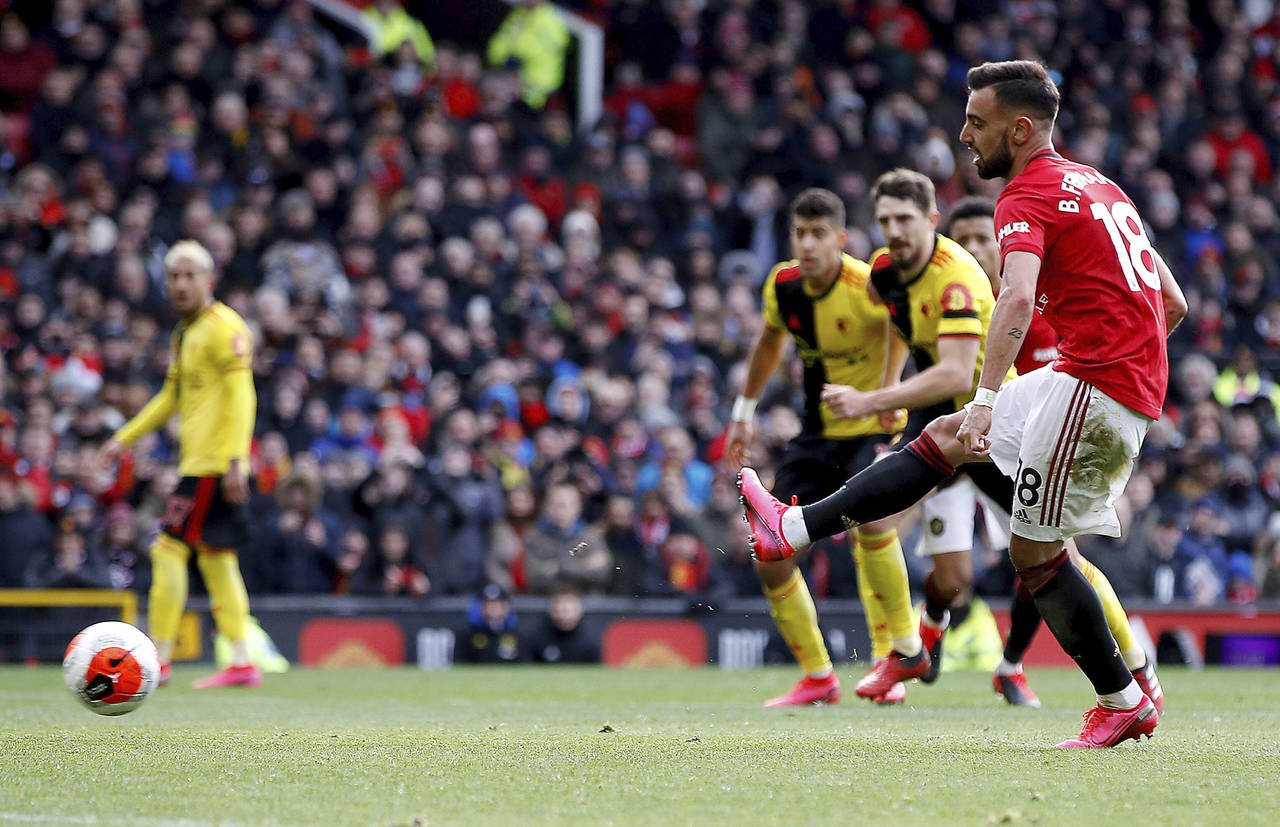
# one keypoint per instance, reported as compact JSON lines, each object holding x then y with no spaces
{"x":494,"y":347}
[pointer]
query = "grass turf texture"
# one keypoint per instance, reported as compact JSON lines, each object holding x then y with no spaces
{"x":538,"y":745}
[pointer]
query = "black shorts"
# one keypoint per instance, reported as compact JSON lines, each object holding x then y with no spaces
{"x":813,"y":467}
{"x":198,"y":513}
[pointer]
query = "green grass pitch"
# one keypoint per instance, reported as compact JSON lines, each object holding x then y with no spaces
{"x":532,"y":745}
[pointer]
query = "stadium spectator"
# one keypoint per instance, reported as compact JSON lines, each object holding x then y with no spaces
{"x":24,"y":64}
{"x":562,"y":550}
{"x":25,"y":531}
{"x":563,"y":637}
{"x":394,"y":570}
{"x":506,"y":563}
{"x":394,"y":27}
{"x":303,"y":536}
{"x":463,"y":508}
{"x":532,"y":40}
{"x":491,"y":635}
{"x":72,"y":564}
{"x":124,"y":549}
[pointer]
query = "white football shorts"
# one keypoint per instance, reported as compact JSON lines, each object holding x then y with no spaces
{"x":947,"y":519}
{"x":1069,"y":449}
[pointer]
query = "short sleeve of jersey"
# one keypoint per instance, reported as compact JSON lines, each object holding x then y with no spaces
{"x":769,"y":300}
{"x":1020,"y":222}
{"x":233,"y":348}
{"x":958,"y":308}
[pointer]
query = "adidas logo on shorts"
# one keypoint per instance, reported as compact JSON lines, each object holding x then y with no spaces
{"x":1021,"y":516}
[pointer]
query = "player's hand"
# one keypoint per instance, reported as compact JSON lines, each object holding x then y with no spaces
{"x":109,"y":453}
{"x":974,"y":430}
{"x":847,"y":403}
{"x":889,"y":419}
{"x":235,"y":485}
{"x":737,"y":450}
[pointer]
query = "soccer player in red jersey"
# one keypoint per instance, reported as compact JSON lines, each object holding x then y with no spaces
{"x":1072,"y":246}
{"x":972,"y":226}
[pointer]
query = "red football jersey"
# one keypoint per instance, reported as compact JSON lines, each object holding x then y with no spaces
{"x":1098,"y":287}
{"x":1039,"y":348}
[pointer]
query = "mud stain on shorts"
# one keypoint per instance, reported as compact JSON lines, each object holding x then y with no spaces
{"x":1101,"y":457}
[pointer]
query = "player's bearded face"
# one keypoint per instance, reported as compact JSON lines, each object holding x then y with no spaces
{"x":907,"y":230}
{"x":997,"y":162}
{"x":986,"y":133}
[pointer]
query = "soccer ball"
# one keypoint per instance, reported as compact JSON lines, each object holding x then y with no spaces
{"x":111,"y":667}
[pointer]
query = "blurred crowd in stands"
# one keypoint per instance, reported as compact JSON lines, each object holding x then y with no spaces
{"x":493,"y":347}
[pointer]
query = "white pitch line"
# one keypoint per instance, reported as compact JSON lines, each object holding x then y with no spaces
{"x":39,"y":818}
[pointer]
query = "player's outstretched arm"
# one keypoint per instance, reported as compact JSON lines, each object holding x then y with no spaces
{"x":1175,"y":304}
{"x":154,"y":415}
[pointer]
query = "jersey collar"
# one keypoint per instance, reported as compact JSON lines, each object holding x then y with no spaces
{"x":832,"y":285}
{"x":927,"y":262}
{"x":1044,"y":153}
{"x":204,"y":311}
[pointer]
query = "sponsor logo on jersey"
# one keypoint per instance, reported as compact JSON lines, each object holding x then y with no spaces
{"x":1011,"y":228}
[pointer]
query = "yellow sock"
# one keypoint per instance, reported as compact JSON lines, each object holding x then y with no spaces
{"x":877,"y":626}
{"x":1117,"y":620}
{"x":227,"y":595}
{"x":886,"y":575}
{"x":797,"y":619}
{"x":168,"y":592}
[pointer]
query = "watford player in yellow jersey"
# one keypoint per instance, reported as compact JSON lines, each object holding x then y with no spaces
{"x":940,"y":301}
{"x":210,"y":386}
{"x":820,"y":301}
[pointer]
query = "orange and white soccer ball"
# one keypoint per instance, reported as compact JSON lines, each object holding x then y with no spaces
{"x":111,"y":667}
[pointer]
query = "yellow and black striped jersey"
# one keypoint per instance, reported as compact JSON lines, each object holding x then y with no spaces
{"x":950,"y":297}
{"x":840,"y":337}
{"x":210,"y":386}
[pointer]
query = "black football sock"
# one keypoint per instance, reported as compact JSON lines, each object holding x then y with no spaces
{"x":884,"y":488}
{"x":959,"y":614}
{"x":935,"y":605}
{"x":1072,"y":611}
{"x":1024,"y":622}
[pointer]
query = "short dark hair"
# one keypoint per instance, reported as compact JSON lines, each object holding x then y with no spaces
{"x":908,"y":185}
{"x":816,"y":202}
{"x":973,"y":206}
{"x":1024,"y":85}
